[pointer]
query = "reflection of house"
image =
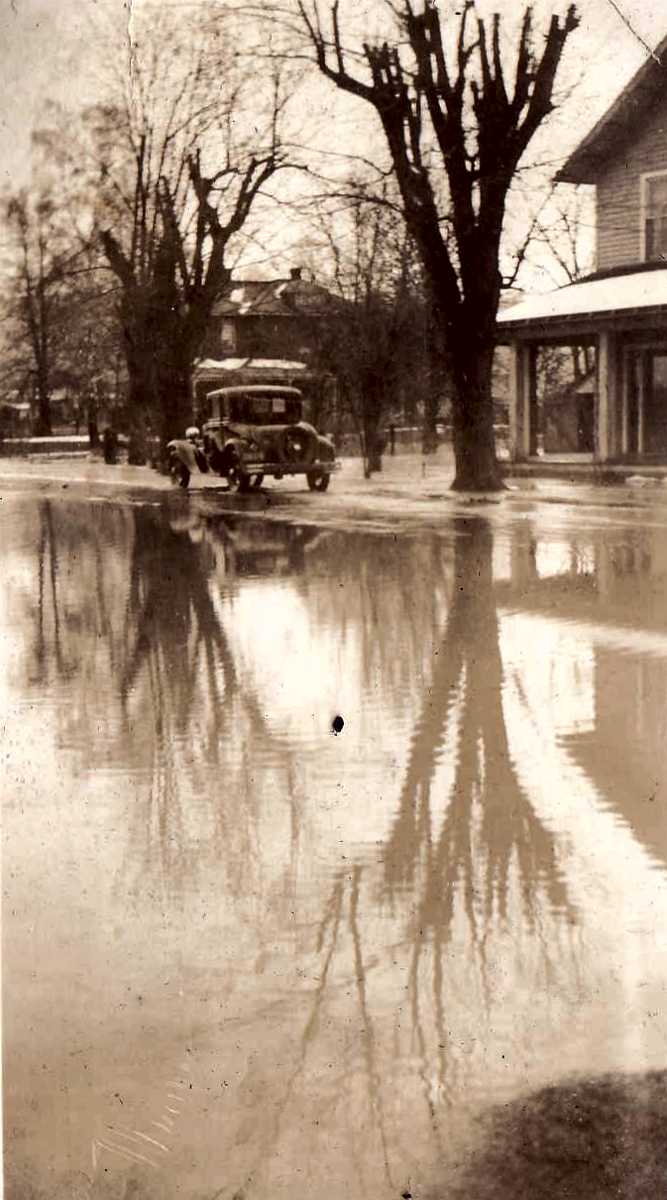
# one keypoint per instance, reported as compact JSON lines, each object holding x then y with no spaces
{"x":623,"y":753}
{"x":568,"y":418}
{"x":265,"y":330}
{"x":608,"y":596}
{"x":621,"y":310}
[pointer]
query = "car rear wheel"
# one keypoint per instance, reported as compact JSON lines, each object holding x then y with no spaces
{"x":318,"y":481}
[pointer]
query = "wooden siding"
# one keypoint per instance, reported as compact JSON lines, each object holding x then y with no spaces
{"x":618,"y":193}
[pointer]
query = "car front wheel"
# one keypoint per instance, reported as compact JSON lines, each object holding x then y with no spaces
{"x":318,"y":481}
{"x":238,"y":480}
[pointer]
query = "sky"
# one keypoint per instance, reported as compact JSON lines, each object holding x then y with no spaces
{"x":55,"y":49}
{"x":50,"y":48}
{"x":46,"y":49}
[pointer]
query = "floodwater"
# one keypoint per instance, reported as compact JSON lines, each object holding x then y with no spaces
{"x":248,"y":957}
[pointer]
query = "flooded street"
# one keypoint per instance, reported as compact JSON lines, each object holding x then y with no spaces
{"x":247,"y":957}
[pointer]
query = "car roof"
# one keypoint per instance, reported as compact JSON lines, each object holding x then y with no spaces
{"x":254,"y":389}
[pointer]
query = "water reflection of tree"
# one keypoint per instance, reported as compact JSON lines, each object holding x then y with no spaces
{"x":490,"y":843}
{"x":339,"y":942}
{"x":490,"y":853}
{"x":204,"y":735}
{"x":72,"y":606}
{"x":486,"y":794}
{"x":391,"y":595}
{"x":171,"y":624}
{"x":126,"y":629}
{"x":47,"y":568}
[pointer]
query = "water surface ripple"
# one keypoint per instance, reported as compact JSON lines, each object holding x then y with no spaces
{"x":247,"y":956}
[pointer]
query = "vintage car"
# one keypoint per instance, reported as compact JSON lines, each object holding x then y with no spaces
{"x":254,"y":431}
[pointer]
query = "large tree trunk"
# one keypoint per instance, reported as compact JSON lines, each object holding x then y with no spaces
{"x":160,"y":347}
{"x":439,"y":369}
{"x":477,"y":468}
{"x":139,"y":349}
{"x":374,"y":448}
{"x":463,"y":347}
{"x":160,"y":402}
{"x":430,"y":424}
{"x":373,"y":438}
{"x":91,"y":420}
{"x":174,"y":397}
{"x":43,"y":426}
{"x":139,"y":416}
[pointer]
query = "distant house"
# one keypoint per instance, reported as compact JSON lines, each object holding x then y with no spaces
{"x":620,"y":310}
{"x":266,"y":330}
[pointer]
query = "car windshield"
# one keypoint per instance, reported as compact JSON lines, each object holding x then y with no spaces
{"x":265,"y":409}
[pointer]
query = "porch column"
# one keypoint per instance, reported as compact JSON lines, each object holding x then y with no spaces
{"x":521,"y":379}
{"x":626,"y":385}
{"x":532,"y":400}
{"x":606,"y":409}
{"x":642,"y":373}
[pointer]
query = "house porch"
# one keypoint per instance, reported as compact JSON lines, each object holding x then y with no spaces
{"x":624,"y":319}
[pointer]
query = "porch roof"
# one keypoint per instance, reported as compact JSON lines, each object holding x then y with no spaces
{"x":639,"y":292}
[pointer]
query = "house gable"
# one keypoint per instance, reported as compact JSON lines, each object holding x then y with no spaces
{"x":622,"y":189}
{"x":620,"y":122}
{"x":626,"y":147}
{"x":267,"y":318}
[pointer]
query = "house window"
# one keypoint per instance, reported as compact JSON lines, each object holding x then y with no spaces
{"x":655,"y":216}
{"x":228,"y":333}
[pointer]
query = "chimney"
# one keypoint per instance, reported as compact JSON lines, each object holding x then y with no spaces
{"x":295,"y":272}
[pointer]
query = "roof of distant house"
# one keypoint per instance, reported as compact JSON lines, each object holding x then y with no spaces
{"x":249,"y":364}
{"x":619,"y":123}
{"x":273,"y":298}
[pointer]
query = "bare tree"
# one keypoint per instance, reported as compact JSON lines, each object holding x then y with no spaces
{"x":37,"y":278}
{"x":58,"y":300}
{"x":374,"y":338}
{"x":445,"y":104}
{"x":564,"y":236}
{"x":181,"y":153}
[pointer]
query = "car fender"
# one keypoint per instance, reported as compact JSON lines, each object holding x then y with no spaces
{"x":326,"y":451}
{"x":249,"y":443}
